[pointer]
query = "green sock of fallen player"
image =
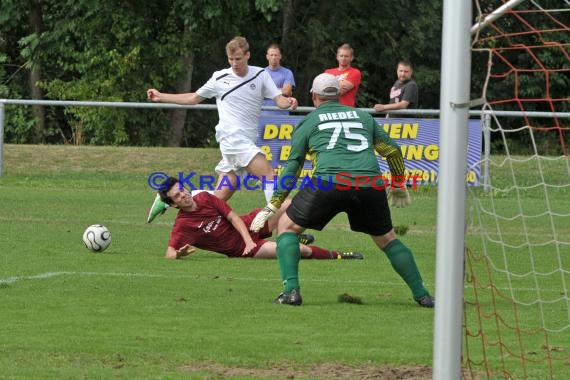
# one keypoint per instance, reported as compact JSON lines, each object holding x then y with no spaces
{"x":404,"y":264}
{"x":288,"y":255}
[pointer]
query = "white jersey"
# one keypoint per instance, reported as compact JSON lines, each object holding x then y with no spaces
{"x":239,"y":101}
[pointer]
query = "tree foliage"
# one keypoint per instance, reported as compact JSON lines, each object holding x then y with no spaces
{"x":113,"y":50}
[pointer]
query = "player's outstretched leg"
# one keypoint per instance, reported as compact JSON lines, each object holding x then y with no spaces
{"x":349,"y":255}
{"x":158,"y":208}
{"x":317,"y":253}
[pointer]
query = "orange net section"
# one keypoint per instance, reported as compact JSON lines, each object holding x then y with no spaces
{"x":517,"y":257}
{"x":530,"y":67}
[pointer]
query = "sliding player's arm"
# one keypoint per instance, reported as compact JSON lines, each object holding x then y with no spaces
{"x":241,"y":228}
{"x":173,"y":253}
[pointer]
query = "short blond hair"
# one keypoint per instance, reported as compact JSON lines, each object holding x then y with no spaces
{"x":237,"y":43}
{"x":346,"y":47}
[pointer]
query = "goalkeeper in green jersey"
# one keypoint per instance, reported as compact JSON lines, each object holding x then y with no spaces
{"x":342,"y":142}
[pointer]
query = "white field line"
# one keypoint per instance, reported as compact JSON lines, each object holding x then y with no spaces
{"x":13,"y":279}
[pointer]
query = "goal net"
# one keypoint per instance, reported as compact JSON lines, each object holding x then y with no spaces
{"x":517,"y":257}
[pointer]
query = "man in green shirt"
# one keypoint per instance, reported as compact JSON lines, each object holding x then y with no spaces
{"x":342,"y":142}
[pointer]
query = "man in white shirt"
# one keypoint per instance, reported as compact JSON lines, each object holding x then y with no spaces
{"x":239,"y":91}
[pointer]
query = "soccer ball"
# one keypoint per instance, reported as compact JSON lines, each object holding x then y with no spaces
{"x":97,"y":238}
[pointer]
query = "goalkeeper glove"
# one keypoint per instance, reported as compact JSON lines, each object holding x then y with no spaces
{"x":399,"y":198}
{"x":261,"y":217}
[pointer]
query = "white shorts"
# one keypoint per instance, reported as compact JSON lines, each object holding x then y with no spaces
{"x":237,"y":158}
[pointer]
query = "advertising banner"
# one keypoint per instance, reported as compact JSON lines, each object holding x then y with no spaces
{"x":418,"y":139}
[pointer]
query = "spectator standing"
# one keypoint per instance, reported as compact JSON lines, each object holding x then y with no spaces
{"x":282,"y":76}
{"x":404,"y":92}
{"x":348,"y":77}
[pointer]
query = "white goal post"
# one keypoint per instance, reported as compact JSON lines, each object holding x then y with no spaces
{"x":450,"y":235}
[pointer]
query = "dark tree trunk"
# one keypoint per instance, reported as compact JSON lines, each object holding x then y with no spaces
{"x":178,"y":116}
{"x":288,"y":23}
{"x":35,"y":19}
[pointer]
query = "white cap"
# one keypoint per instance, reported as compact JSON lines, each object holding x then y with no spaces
{"x":325,"y":85}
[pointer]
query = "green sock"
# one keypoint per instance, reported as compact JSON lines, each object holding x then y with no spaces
{"x":403,"y":262}
{"x":288,"y":255}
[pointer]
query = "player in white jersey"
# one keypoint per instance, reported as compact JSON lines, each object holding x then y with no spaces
{"x":238,"y":102}
{"x":239,"y":91}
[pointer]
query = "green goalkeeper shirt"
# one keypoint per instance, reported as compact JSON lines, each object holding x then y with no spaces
{"x":338,"y":139}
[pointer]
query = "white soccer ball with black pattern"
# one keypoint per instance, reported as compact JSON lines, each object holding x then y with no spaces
{"x":97,"y":238}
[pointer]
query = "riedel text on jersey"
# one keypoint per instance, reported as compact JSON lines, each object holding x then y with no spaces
{"x":338,"y":115}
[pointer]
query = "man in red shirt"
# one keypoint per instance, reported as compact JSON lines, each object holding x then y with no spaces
{"x":348,"y":77}
{"x":207,"y":222}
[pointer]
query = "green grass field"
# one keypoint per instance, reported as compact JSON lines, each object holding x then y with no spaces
{"x":129,"y":313}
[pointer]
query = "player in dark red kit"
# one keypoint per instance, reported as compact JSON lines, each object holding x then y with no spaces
{"x":208,"y":222}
